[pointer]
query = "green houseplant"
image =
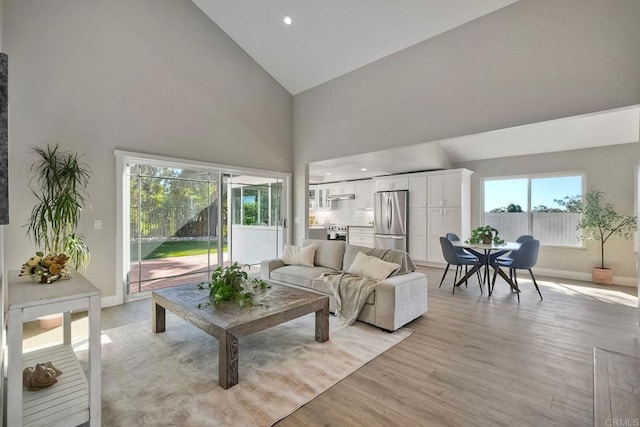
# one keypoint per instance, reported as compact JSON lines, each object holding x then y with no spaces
{"x":600,"y":222}
{"x":486,"y":235}
{"x":60,"y":186}
{"x":232,"y":284}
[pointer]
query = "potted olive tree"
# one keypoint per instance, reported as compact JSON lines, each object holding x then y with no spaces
{"x":600,"y":222}
{"x":60,"y":187}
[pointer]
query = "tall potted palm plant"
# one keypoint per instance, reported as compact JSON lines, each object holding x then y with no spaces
{"x":60,"y":185}
{"x":601,"y":222}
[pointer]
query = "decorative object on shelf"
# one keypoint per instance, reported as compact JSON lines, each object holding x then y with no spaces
{"x":41,"y":376}
{"x":600,"y":222}
{"x":46,"y":269}
{"x":486,"y":235}
{"x":232,"y":284}
{"x":61,"y":191}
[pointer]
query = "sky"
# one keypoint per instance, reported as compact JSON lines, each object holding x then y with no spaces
{"x":500,"y":193}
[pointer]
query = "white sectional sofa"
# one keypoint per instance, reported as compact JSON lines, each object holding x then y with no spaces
{"x":395,"y":301}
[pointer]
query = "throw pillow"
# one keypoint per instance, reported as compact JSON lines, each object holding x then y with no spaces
{"x":372,"y":267}
{"x":298,"y":255}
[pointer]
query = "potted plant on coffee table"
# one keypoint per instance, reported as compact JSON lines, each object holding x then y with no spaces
{"x":232,"y":283}
{"x":601,"y":222}
{"x":59,"y":185}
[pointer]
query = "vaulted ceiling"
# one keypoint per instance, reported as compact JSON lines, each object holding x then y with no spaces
{"x":329,"y":38}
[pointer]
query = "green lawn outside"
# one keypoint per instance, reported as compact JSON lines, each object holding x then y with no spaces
{"x":174,"y":248}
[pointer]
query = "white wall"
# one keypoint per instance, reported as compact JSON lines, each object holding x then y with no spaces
{"x":151,"y":76}
{"x":531,"y":61}
{"x":610,"y":169}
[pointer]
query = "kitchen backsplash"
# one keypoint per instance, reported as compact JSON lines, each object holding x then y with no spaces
{"x":343,"y":213}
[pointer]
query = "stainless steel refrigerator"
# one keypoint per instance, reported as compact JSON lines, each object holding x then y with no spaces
{"x":390,"y":210}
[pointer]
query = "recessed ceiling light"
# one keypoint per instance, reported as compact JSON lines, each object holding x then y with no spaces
{"x":328,"y":173}
{"x":363,"y":169}
{"x":287,"y":20}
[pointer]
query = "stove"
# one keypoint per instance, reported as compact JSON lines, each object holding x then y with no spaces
{"x":337,"y":232}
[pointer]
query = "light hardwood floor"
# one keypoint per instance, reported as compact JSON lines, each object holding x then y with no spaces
{"x":479,"y":361}
{"x":476,"y":361}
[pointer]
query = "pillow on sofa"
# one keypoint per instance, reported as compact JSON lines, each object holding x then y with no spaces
{"x":298,"y":255}
{"x":329,"y":253}
{"x":371,"y":267}
{"x":390,"y":255}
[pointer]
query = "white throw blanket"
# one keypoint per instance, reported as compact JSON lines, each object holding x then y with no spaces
{"x":350,"y":291}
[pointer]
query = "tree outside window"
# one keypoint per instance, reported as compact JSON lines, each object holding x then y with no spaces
{"x":552,"y":217}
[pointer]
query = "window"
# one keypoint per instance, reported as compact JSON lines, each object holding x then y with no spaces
{"x":257,"y":204}
{"x":540,"y":206}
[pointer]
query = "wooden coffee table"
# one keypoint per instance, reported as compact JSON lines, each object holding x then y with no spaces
{"x":228,"y":321}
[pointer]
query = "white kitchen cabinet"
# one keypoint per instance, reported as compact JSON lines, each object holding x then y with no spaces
{"x":417,"y":191}
{"x":361,"y":236}
{"x":441,"y":221}
{"x":342,"y":188}
{"x":324,"y":194}
{"x":313,"y":197}
{"x":392,"y":184}
{"x":439,"y":203}
{"x":444,"y":190}
{"x":418,"y":233}
{"x":364,"y":195}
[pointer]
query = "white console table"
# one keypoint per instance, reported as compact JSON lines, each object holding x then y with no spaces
{"x":71,"y":401}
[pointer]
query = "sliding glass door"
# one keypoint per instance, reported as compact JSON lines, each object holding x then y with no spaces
{"x":173,"y":226}
{"x":257,"y":231}
{"x":182,"y":221}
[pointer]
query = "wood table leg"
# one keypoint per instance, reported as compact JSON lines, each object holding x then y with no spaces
{"x":468,"y":275}
{"x":228,"y":360}
{"x":322,"y":323}
{"x":158,"y":319}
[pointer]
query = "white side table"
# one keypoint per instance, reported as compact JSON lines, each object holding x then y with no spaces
{"x":72,"y":400}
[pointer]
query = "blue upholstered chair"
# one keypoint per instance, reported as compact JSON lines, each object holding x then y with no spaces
{"x":500,"y":255}
{"x":452,"y":258}
{"x":524,"y":258}
{"x":462,"y":252}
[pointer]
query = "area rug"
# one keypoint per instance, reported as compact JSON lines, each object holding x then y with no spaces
{"x":171,"y":378}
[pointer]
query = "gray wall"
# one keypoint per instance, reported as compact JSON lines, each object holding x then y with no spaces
{"x":531,"y":61}
{"x":154,"y":76}
{"x":597,"y":164}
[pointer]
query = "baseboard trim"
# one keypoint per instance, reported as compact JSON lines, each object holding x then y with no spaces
{"x":631,"y":282}
{"x":110,"y":301}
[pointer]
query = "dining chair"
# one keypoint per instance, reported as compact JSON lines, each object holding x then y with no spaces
{"x":500,"y":255}
{"x":524,"y":238}
{"x":452,"y":258}
{"x":524,"y":258}
{"x":453,"y":237}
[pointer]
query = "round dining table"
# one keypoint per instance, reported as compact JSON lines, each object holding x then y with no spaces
{"x":483,"y":251}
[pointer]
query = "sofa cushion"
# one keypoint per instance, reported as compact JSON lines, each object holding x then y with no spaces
{"x":299,"y":275}
{"x":299,"y":255}
{"x":329,"y":253}
{"x":390,"y":255}
{"x":372,"y":267}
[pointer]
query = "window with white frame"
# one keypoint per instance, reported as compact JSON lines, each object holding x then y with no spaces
{"x":542,"y":206}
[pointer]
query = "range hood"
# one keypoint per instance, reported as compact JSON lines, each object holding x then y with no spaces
{"x":342,"y":196}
